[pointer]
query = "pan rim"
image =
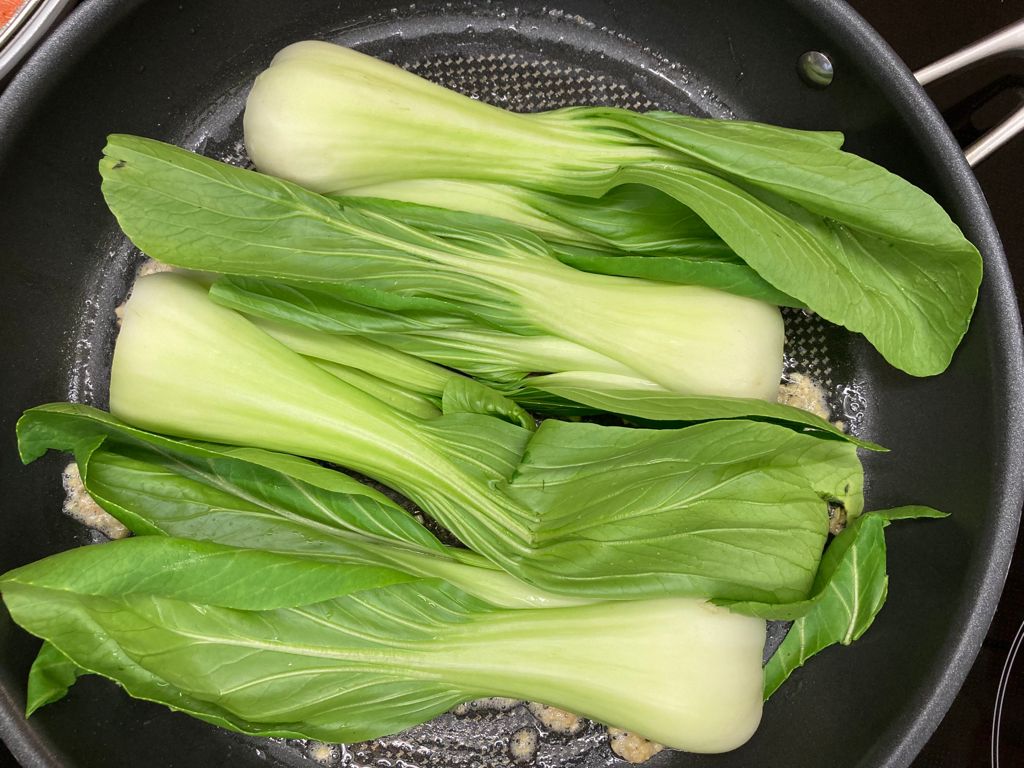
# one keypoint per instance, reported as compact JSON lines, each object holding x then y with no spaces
{"x":972,"y":212}
{"x":900,"y":744}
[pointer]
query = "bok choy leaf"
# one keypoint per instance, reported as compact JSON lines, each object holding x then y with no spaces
{"x":849,"y":591}
{"x":617,"y":234}
{"x":50,"y":677}
{"x":627,"y":219}
{"x":404,"y":381}
{"x":246,"y":497}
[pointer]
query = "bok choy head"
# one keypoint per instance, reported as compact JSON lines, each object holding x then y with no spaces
{"x":858,"y":245}
{"x":726,"y":509}
{"x":439,"y":267}
{"x":277,"y":645}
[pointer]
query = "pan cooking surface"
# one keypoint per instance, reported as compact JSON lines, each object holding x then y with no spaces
{"x":522,"y":64}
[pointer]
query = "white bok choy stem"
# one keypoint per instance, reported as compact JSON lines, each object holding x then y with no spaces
{"x":356,"y":130}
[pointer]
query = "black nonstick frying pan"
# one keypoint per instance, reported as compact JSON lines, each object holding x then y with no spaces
{"x":179,"y":71}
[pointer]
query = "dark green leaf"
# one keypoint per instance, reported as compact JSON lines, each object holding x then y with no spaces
{"x":844,"y":236}
{"x":218,"y":218}
{"x":558,"y":392}
{"x":726,"y":273}
{"x":766,"y":484}
{"x":848,"y":593}
{"x":246,"y":497}
{"x":911,"y":512}
{"x":659,"y":406}
{"x":717,"y":509}
{"x":300,"y":499}
{"x":856,"y":592}
{"x":632,"y":219}
{"x":462,"y":395}
{"x":51,"y":676}
{"x":312,"y":308}
{"x":373,"y":662}
{"x":612,"y":235}
{"x":202,"y":572}
{"x":858,"y":245}
{"x":330,"y":670}
{"x":393,"y":395}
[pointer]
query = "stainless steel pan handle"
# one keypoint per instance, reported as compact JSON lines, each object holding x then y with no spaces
{"x":1009,"y":39}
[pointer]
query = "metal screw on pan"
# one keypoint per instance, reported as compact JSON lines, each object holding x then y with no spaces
{"x":816,"y":69}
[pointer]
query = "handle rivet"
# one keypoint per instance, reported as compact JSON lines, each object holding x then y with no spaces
{"x":815,"y":69}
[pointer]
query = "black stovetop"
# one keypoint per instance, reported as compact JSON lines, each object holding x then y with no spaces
{"x":922,"y":31}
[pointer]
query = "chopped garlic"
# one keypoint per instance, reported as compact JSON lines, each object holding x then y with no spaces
{"x":523,"y":745}
{"x":325,"y":754}
{"x":800,"y":391}
{"x":79,"y":505}
{"x":555,"y":719}
{"x":148,"y":267}
{"x":152,"y":266}
{"x":632,"y":747}
{"x":498,"y":703}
